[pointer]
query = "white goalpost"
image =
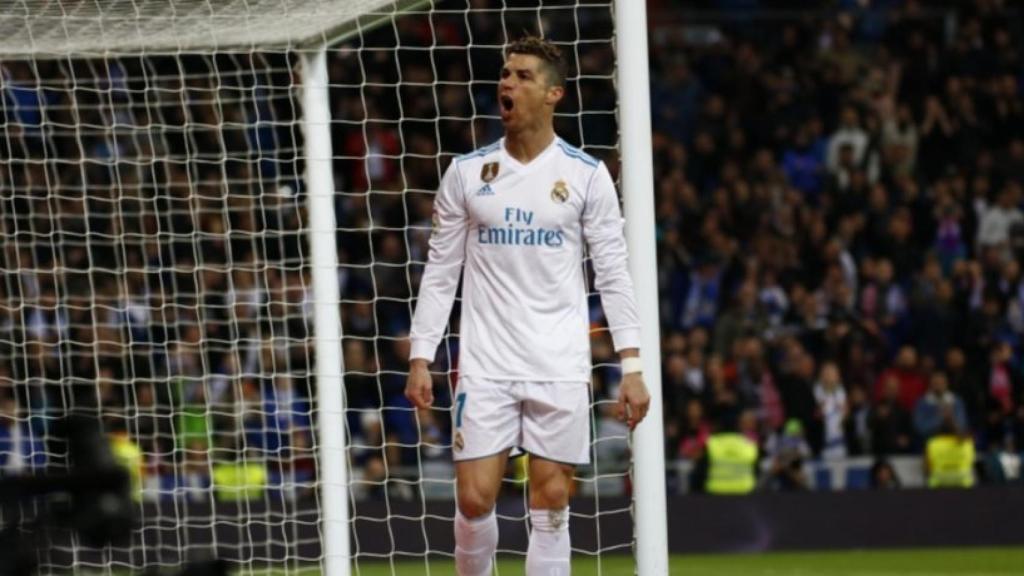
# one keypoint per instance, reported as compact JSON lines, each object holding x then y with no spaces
{"x":329,"y":369}
{"x":638,"y":195}
{"x":215,"y":217}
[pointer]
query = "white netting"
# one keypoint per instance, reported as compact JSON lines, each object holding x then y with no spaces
{"x":77,"y":27}
{"x":156,"y":271}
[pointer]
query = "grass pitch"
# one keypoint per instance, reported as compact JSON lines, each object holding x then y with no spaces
{"x":930,"y":562}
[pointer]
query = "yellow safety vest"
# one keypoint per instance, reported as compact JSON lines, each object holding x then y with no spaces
{"x":128,"y":454}
{"x":731,"y":461}
{"x":239,"y":481}
{"x":950,"y":462}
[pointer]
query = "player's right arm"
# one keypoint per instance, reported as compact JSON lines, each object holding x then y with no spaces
{"x":438,"y":285}
{"x":606,"y":241}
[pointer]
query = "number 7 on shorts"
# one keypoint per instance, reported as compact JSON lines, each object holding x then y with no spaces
{"x":460,"y":403}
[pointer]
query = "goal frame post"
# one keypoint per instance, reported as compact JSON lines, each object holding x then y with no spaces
{"x":327,"y":338}
{"x":651,"y":527}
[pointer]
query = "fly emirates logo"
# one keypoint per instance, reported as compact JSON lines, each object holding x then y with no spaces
{"x":519,"y":231}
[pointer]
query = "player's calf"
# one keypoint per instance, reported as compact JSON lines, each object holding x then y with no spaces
{"x":475,"y":543}
{"x":476,"y":527}
{"x":549,"y":551}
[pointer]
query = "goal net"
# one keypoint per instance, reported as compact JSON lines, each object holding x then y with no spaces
{"x":157,"y":275}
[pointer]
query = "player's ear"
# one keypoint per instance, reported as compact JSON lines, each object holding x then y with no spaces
{"x":555,"y":94}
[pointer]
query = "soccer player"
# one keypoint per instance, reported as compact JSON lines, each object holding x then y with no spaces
{"x":516,"y":215}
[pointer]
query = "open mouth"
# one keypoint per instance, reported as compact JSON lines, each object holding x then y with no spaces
{"x":507,"y":103}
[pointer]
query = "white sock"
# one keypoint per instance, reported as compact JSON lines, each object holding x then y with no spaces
{"x":549,"y":551}
{"x":475,"y":543}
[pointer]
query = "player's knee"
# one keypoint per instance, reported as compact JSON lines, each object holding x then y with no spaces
{"x":551,"y":494}
{"x":474,"y":503}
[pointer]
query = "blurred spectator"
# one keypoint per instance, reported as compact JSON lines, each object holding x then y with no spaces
{"x":195,"y":479}
{"x":857,"y":426}
{"x":1003,"y":379}
{"x":905,"y":376}
{"x":21,"y":448}
{"x":743,"y":317}
{"x":677,"y":396}
{"x":833,"y":410}
{"x":700,"y":306}
{"x":937,"y":402}
{"x":749,"y":427}
{"x":933,"y":308}
{"x":949,"y":456}
{"x":950,"y":246}
{"x":756,"y":383}
{"x":694,"y":375}
{"x":301,"y":463}
{"x":997,"y":221}
{"x":890,"y":423}
{"x":883,"y":305}
{"x":695,"y":431}
{"x":126,"y":453}
{"x":240,"y":479}
{"x":803,"y":164}
{"x":883,"y":476}
{"x":848,"y":145}
{"x":796,"y":388}
{"x":788,"y":451}
{"x":725,"y":402}
{"x":899,"y":142}
{"x":675,"y":100}
{"x":729,"y":463}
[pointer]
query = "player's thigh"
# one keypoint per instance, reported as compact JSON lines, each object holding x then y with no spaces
{"x":486,"y":419}
{"x":556,"y":421}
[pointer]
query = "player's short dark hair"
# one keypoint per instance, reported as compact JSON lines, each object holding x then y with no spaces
{"x":555,"y":66}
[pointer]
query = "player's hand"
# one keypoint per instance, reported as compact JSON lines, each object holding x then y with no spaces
{"x":634,"y":400}
{"x":419,"y":389}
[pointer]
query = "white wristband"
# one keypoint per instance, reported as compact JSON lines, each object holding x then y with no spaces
{"x":632,"y":364}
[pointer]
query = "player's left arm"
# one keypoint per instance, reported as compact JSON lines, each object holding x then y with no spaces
{"x":603,"y":232}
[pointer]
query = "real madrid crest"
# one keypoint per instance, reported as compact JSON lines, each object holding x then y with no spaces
{"x":435,"y":223}
{"x":489,"y":172}
{"x":560,"y":193}
{"x":458,"y":443}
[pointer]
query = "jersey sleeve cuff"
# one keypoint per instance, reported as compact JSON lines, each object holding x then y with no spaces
{"x":624,"y":338}
{"x":422,"y":349}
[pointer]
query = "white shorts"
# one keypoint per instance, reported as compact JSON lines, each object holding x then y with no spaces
{"x":550,"y":420}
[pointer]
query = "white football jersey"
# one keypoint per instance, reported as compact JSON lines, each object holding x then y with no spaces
{"x":520,"y":231}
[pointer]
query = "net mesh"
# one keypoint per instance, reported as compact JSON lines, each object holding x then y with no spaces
{"x":61,"y":27}
{"x":156,"y":273}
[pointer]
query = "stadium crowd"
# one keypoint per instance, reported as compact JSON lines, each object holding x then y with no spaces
{"x":840,"y":226}
{"x":839,"y":232}
{"x":150,"y":274}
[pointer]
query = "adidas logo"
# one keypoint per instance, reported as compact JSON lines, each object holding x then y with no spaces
{"x":485,"y":191}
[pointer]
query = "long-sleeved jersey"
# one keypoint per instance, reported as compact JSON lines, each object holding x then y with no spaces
{"x":520,"y":229}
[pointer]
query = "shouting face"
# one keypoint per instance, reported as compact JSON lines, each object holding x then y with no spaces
{"x":526,"y":93}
